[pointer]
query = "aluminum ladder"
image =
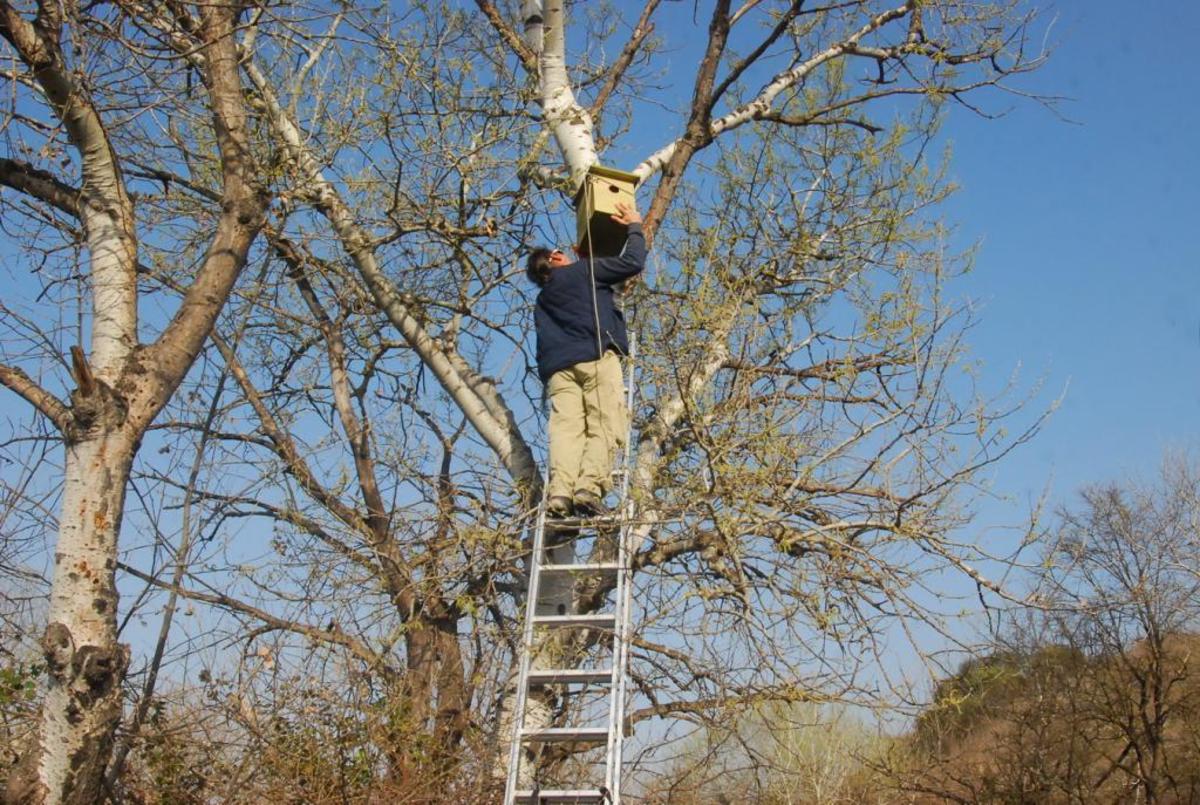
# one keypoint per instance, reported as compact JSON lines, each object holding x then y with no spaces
{"x":615,"y":626}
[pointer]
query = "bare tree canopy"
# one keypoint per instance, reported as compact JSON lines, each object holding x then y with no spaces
{"x":344,"y":480}
{"x":1092,"y":697}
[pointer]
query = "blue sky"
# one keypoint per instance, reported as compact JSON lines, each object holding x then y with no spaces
{"x":1087,"y":275}
{"x":1089,"y":270}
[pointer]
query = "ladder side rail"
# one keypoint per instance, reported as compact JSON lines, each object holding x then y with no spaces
{"x":620,"y":693}
{"x":620,"y":660}
{"x":616,"y":708}
{"x":526,"y":659}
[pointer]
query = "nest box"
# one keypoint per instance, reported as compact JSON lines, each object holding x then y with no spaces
{"x":595,"y":203}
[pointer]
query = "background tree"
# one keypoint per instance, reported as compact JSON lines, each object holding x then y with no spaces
{"x":780,"y":753}
{"x":1125,"y":570}
{"x":1093,"y":698}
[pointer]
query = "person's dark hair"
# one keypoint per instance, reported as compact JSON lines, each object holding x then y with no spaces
{"x":538,"y":268}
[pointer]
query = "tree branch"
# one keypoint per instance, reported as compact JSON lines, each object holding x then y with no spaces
{"x":285,"y":447}
{"x":767,"y":95}
{"x":738,"y":69}
{"x":826,"y":370}
{"x":357,"y":435}
{"x":243,"y":206}
{"x":41,"y":185}
{"x":641,"y":30}
{"x":698,"y":132}
{"x":333,"y":636}
{"x":46,"y":403}
{"x":511,"y":38}
{"x":698,"y":707}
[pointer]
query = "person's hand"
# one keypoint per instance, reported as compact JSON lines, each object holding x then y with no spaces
{"x":626,"y":214}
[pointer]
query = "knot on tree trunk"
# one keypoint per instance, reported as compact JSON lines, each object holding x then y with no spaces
{"x":103,"y":408}
{"x":94,"y":404}
{"x":99,"y":669}
{"x":58,"y":647}
{"x":93,"y":671}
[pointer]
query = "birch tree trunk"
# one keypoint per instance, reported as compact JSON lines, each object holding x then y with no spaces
{"x":119,"y":393}
{"x":84,"y":663}
{"x":570,"y":122}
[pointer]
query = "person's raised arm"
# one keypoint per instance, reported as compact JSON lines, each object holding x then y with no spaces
{"x":633,"y":259}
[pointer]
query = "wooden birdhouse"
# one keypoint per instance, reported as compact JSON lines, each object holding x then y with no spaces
{"x":595,"y":203}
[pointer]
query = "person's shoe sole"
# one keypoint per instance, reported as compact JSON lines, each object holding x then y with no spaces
{"x":559,"y":507}
{"x":590,"y":506}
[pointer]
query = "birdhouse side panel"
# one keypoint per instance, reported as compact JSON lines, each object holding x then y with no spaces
{"x":598,"y":202}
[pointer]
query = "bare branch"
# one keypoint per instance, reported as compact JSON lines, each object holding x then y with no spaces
{"x":285,"y":446}
{"x":528,"y":58}
{"x":243,"y":207}
{"x":642,"y":29}
{"x":15,"y":378}
{"x":336,"y":637}
{"x":40,"y":184}
{"x":766,"y":96}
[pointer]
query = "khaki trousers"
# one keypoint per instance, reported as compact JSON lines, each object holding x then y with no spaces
{"x":588,"y":422}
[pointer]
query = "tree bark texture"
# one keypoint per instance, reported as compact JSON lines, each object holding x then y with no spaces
{"x":570,"y":122}
{"x":84,"y":663}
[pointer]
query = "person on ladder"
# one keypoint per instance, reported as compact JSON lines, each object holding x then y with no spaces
{"x":580,"y":339}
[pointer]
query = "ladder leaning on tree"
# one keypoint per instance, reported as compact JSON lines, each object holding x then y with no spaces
{"x":579,"y":678}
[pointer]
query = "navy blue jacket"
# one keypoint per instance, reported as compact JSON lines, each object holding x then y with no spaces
{"x":565,"y":318}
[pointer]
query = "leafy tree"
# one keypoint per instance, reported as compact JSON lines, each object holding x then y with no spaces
{"x":360,"y":466}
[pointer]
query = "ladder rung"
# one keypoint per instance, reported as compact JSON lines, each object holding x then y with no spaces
{"x":566,"y":735}
{"x":596,"y":620}
{"x":562,"y":795}
{"x":544,"y":676}
{"x":575,"y":533}
{"x":573,"y":523}
{"x":583,"y":567}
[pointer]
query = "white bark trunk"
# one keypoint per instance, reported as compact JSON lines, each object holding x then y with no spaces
{"x":572,"y":127}
{"x":531,"y":16}
{"x":120,"y":390}
{"x":85,"y":665}
{"x":106,"y":211}
{"x":570,"y":122}
{"x":114,"y":287}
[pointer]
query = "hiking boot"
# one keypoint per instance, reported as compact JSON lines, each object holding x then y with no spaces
{"x":559,"y":507}
{"x":589,"y":504}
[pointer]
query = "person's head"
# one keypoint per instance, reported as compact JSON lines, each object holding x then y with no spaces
{"x":544,"y":260}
